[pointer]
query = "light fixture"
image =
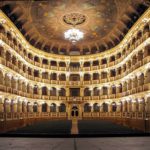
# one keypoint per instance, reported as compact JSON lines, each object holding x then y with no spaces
{"x":73,"y":35}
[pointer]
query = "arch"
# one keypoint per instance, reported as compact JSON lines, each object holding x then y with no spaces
{"x":53,"y":76}
{"x":96,"y":63}
{"x":8,"y":56}
{"x":35,"y":107}
{"x":29,"y":107}
{"x":62,"y":107}
{"x":87,"y":92}
{"x":1,"y":77}
{"x":105,"y":90}
{"x":147,"y":76}
{"x":44,"y":107}
{"x":53,"y":91}
{"x":36,"y":59}
{"x":95,"y":76}
{"x":45,"y":75}
{"x":96,"y":107}
{"x":87,"y":107}
{"x":113,"y":89}
{"x":2,"y":52}
{"x":141,"y":79}
{"x":62,"y":64}
{"x":114,"y":106}
{"x":105,"y":107}
{"x":96,"y":91}
{"x":24,"y":106}
{"x":36,"y":73}
{"x":6,"y":105}
{"x":74,"y":111}
{"x":53,"y":63}
{"x":62,"y":92}
{"x":44,"y":90}
{"x":35,"y":89}
{"x":87,"y":77}
{"x":62,"y":77}
{"x":86,"y":64}
{"x":53,"y":107}
{"x":120,"y":88}
{"x":125,"y":106}
{"x":45,"y":62}
{"x":2,"y":29}
{"x":8,"y":80}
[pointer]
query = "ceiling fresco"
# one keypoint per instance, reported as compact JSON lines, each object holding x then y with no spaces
{"x":103,"y":22}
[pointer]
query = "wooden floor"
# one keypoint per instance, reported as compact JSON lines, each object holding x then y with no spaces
{"x":123,"y":143}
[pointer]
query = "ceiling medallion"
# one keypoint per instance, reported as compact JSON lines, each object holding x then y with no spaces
{"x":74,"y":19}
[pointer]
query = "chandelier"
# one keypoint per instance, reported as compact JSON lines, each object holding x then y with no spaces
{"x":73,"y":35}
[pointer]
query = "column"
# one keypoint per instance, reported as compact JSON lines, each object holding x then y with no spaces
{"x":57,"y":108}
{"x":39,"y":108}
{"x":39,"y":91}
{"x":48,"y":108}
{"x":30,"y":106}
{"x":141,"y":106}
{"x":67,"y":92}
{"x":7,"y":107}
{"x":81,"y":92}
{"x":109,"y":90}
{"x":109,"y":108}
{"x":92,"y":109}
{"x":14,"y":107}
{"x":118,"y":108}
{"x":133,"y":106}
{"x":19,"y":107}
{"x":101,"y":108}
{"x":1,"y":107}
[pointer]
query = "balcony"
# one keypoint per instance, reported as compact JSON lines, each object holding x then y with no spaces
{"x":103,"y":66}
{"x":45,"y":66}
{"x":53,"y":67}
{"x":74,"y":99}
{"x":63,"y":82}
{"x":74,"y":83}
{"x":54,"y":81}
{"x":95,"y":97}
{"x":62,"y":68}
{"x":45,"y":97}
{"x":95,"y":81}
{"x":95,"y":68}
{"x":86,"y":82}
{"x":86,"y":69}
{"x":62,"y":98}
{"x":87,"y":98}
{"x":54,"y":98}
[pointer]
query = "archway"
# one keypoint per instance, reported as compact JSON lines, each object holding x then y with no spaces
{"x":53,"y":107}
{"x":74,"y":111}
{"x":35,"y":107}
{"x":62,"y":108}
{"x":114,"y":107}
{"x":44,"y":107}
{"x":105,"y":107}
{"x":87,"y":107}
{"x":96,"y":107}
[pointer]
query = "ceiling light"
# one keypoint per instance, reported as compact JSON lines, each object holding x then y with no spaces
{"x":73,"y":35}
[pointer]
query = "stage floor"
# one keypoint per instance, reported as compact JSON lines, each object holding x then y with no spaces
{"x":114,"y":143}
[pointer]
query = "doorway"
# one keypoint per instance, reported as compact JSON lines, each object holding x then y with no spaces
{"x":74,"y":111}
